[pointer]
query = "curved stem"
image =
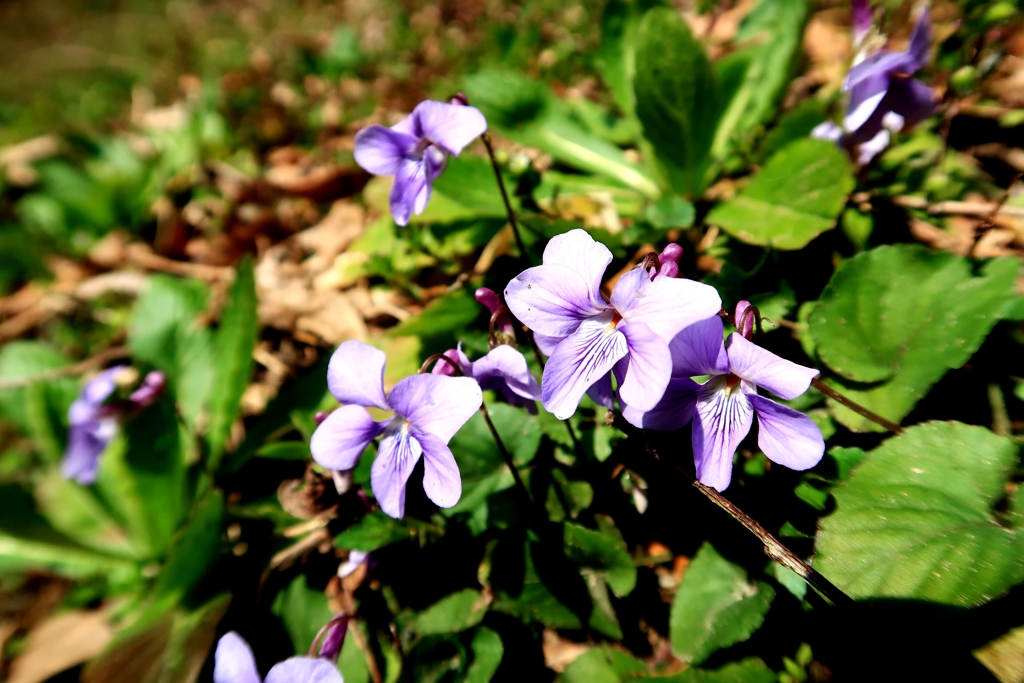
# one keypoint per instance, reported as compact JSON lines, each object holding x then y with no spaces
{"x":855,"y":407}
{"x":504,"y":196}
{"x":506,"y":456}
{"x":436,"y":357}
{"x":773,"y":548}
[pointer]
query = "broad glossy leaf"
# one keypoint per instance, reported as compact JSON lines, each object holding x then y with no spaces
{"x":451,"y":614}
{"x":163,"y":331}
{"x":773,"y":31}
{"x":467,"y":189}
{"x":603,"y":665}
{"x":142,"y":477}
{"x":904,"y":315}
{"x":233,"y":346}
{"x":750,"y":670}
{"x":715,"y":606}
{"x":677,"y":98}
{"x":194,"y":549}
{"x":915,"y":519}
{"x":487,"y":653}
{"x":373,"y":531}
{"x":795,"y":197}
{"x":603,"y":549}
{"x":303,"y":610}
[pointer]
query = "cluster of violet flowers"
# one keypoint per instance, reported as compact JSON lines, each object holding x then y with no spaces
{"x":883,"y":96}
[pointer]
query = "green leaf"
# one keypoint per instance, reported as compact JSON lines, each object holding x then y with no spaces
{"x":487,"y":653}
{"x":715,"y":607}
{"x":467,"y":189}
{"x":373,"y":531}
{"x":284,"y":450}
{"x":915,"y":519}
{"x":233,"y":346}
{"x":171,"y":645}
{"x":676,"y":98}
{"x":142,"y":477}
{"x":76,"y":511}
{"x":20,"y":359}
{"x":904,"y":315}
{"x":603,"y":665}
{"x":671,"y":211}
{"x":796,"y":196}
{"x":750,"y":670}
{"x":445,"y":316}
{"x":451,"y":614}
{"x":163,"y":331}
{"x":195,"y":547}
{"x":616,"y":56}
{"x":775,"y":27}
{"x":303,"y":610}
{"x":604,"y":550}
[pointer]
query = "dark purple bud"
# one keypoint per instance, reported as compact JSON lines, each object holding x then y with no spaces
{"x":459,"y":98}
{"x":150,"y":389}
{"x":671,"y":253}
{"x":745,"y":319}
{"x":320,"y":416}
{"x":861,"y":20}
{"x":334,"y":637}
{"x":443,"y":367}
{"x":669,"y":269}
{"x":503,"y":322}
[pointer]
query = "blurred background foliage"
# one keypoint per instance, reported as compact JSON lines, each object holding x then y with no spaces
{"x":177,"y":187}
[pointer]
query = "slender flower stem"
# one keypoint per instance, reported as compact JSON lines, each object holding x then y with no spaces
{"x":773,"y":548}
{"x":504,"y":195}
{"x":436,"y":357}
{"x":506,"y":456}
{"x":540,"y":361}
{"x":406,"y":674}
{"x":371,"y":661}
{"x":855,"y":407}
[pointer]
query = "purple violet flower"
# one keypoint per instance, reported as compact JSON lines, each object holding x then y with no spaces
{"x":416,"y":149}
{"x":235,"y":663}
{"x":503,"y":369}
{"x":93,"y":420}
{"x":883,"y":96}
{"x":586,"y":337}
{"x":428,"y":409}
{"x":723,"y":407}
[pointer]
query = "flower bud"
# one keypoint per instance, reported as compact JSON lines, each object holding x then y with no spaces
{"x":745,"y":314}
{"x":330,"y":647}
{"x":503,"y":329}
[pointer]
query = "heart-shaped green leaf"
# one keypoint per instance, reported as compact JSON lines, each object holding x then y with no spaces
{"x":915,"y":519}
{"x":793,"y":199}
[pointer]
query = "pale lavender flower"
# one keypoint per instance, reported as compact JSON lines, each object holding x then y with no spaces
{"x":355,"y":559}
{"x":94,"y":418}
{"x":723,"y":407}
{"x":416,"y":149}
{"x":587,"y":337}
{"x":234,"y":663}
{"x":883,"y":96}
{"x":503,"y":369}
{"x":428,"y":409}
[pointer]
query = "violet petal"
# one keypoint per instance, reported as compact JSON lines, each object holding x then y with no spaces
{"x":340,"y":440}
{"x":577,"y":362}
{"x":673,"y":411}
{"x":441,"y":479}
{"x":396,"y":457}
{"x":355,"y":375}
{"x":783,"y":378}
{"x":666,"y":305}
{"x":436,"y":404}
{"x":723,"y":417}
{"x":649,"y":368}
{"x":552,"y":300}
{"x":581,"y":253}
{"x":233,"y":661}
{"x":381,"y":150}
{"x":787,"y":436}
{"x":304,"y":670}
{"x":699,"y":349}
{"x":449,"y":126}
